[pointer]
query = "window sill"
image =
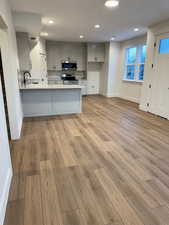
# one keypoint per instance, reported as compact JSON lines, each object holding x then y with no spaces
{"x":133,"y":81}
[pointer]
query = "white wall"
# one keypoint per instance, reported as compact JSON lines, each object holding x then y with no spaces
{"x":104,"y":72}
{"x":26,"y":21}
{"x":109,"y":85}
{"x":37,"y":54}
{"x":10,"y":66}
{"x":5,"y":162}
{"x":113,"y":80}
{"x":129,"y":90}
{"x":146,"y":92}
{"x":112,"y":83}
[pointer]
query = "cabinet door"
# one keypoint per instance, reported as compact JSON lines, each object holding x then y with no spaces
{"x":58,"y":56}
{"x":91,"y":49}
{"x":83,"y":57}
{"x":80,"y":56}
{"x":23,"y":51}
{"x":51,"y":63}
{"x":100,"y":52}
{"x":96,"y":52}
{"x":66,"y":101}
{"x":93,"y":83}
{"x":36,"y":102}
{"x":84,"y":84}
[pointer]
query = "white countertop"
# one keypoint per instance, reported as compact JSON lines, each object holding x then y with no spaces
{"x":50,"y":86}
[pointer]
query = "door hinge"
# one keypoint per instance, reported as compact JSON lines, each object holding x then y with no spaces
{"x":155,"y":44}
{"x":148,"y":104}
{"x":149,"y":86}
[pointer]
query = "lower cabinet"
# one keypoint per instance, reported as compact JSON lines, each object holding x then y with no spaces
{"x":36,"y":102}
{"x":66,"y":101}
{"x":83,"y":83}
{"x":51,"y":102}
{"x":93,"y":82}
{"x":92,"y":88}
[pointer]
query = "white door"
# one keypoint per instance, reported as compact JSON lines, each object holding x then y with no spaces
{"x":160,"y":92}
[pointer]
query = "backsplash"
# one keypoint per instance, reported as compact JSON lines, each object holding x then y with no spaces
{"x":78,"y":74}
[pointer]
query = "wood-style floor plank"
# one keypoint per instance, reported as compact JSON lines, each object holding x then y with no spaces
{"x":33,"y":201}
{"x":106,"y":166}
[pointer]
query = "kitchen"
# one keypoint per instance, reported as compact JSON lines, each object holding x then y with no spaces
{"x":55,"y":75}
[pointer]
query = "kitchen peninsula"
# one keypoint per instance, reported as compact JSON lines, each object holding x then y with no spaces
{"x":44,"y":100}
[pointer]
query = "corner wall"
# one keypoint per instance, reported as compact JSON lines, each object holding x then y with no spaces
{"x":109,"y":79}
{"x":5,"y":161}
{"x":112,"y":83}
{"x":104,"y":72}
{"x":11,"y":68}
{"x":129,"y":90}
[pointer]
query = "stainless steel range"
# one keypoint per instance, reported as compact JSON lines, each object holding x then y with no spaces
{"x":69,"y":79}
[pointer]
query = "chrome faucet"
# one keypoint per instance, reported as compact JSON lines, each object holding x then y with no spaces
{"x":26,"y":76}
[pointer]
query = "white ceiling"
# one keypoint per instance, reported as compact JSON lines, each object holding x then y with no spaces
{"x":77,"y":17}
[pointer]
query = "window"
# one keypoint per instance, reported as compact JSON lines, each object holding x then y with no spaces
{"x":134,"y":63}
{"x":164,"y":46}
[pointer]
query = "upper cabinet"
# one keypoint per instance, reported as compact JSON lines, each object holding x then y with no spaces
{"x":53,"y":56}
{"x":61,"y":51}
{"x":95,"y":52}
{"x":23,"y":51}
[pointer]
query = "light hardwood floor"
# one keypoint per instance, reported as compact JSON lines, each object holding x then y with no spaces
{"x":106,"y":166}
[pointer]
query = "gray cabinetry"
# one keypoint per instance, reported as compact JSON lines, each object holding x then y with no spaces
{"x":54,"y":55}
{"x":41,"y":102}
{"x":61,"y":51}
{"x":83,"y":83}
{"x":23,"y":51}
{"x":95,"y":52}
{"x":36,"y":105}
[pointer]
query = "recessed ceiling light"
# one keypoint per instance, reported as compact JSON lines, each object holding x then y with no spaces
{"x":136,"y":29}
{"x":97,"y":26}
{"x":51,"y":22}
{"x":45,"y":34}
{"x":81,"y":36}
{"x":111,"y":3}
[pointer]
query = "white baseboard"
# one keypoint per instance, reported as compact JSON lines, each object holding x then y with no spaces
{"x":111,"y":95}
{"x":18,"y":135}
{"x":4,"y":196}
{"x":136,"y":100}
